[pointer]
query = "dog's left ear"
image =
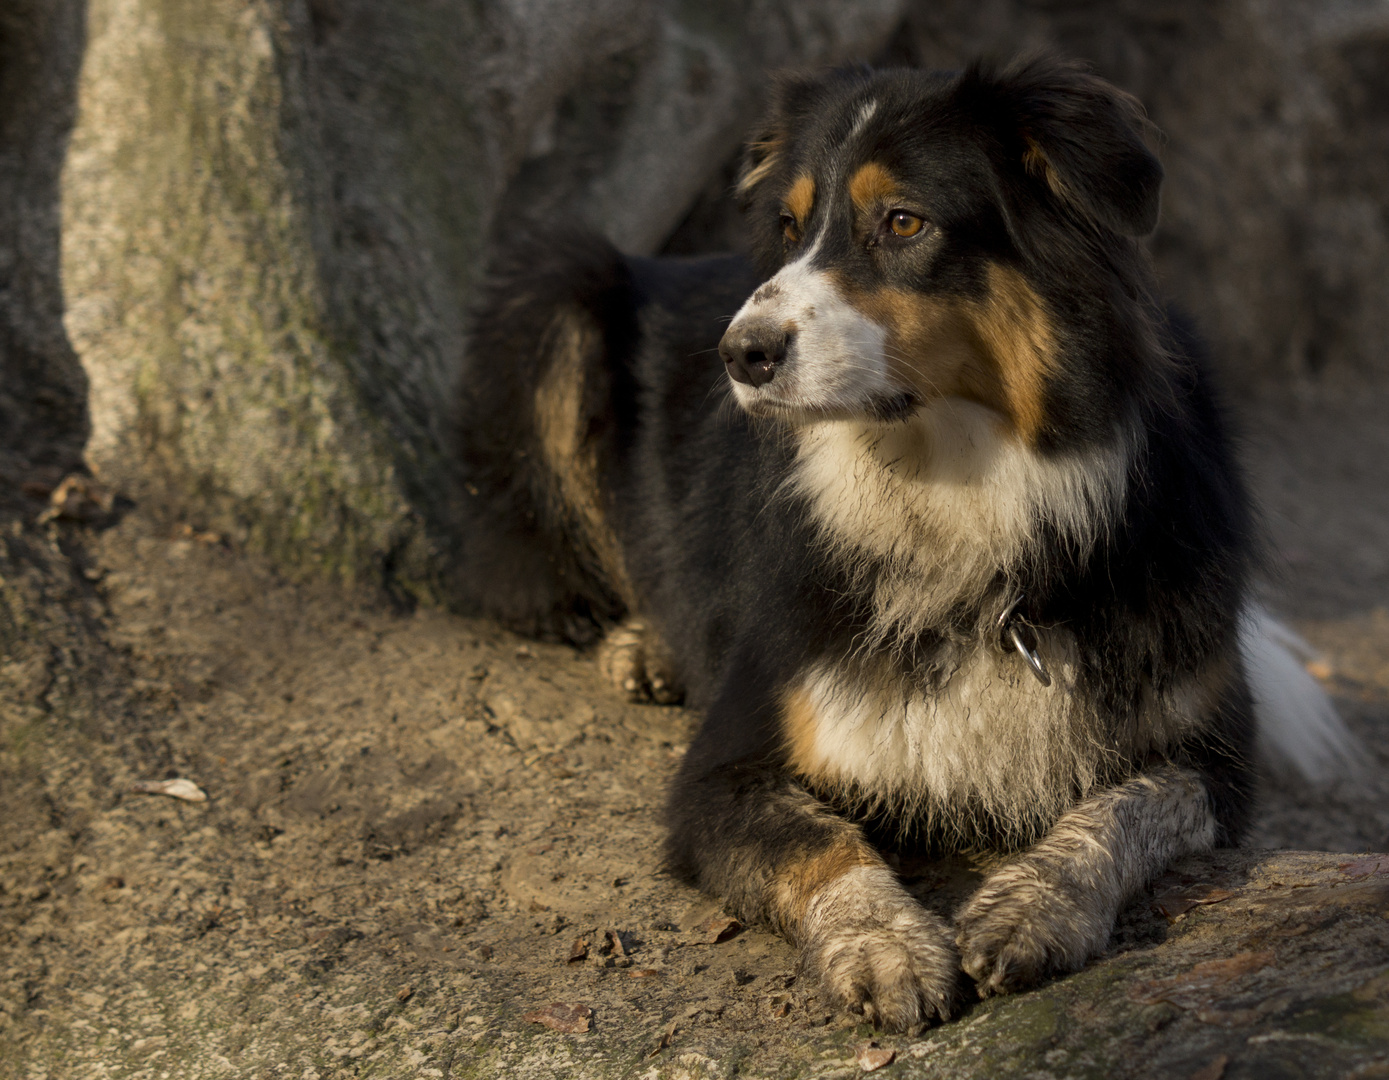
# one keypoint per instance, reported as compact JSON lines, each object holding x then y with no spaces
{"x":1075,"y":133}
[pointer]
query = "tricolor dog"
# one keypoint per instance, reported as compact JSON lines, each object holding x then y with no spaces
{"x":930,"y":511}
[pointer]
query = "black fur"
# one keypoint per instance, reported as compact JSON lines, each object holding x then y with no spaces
{"x":1040,"y":168}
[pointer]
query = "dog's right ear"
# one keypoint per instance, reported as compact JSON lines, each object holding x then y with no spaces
{"x":794,"y":100}
{"x":765,"y":152}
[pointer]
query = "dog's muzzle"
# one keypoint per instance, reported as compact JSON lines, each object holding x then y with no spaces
{"x":753,"y":350}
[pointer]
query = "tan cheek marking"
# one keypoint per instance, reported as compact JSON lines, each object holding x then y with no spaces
{"x":801,"y":198}
{"x":872,"y":186}
{"x":998,"y":351}
{"x":1017,"y":334}
{"x":930,"y":343}
{"x":801,"y":875}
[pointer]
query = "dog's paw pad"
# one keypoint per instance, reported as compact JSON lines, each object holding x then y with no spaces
{"x":1017,"y":931}
{"x":633,"y":660}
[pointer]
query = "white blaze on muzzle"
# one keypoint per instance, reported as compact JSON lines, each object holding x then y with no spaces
{"x":831,"y":358}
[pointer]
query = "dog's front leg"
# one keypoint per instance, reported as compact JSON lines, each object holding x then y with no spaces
{"x":1053,"y":908}
{"x":751,"y":834}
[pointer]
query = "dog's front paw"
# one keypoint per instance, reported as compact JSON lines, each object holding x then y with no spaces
{"x":879,"y":953}
{"x":1028,"y":921}
{"x":633,"y":659}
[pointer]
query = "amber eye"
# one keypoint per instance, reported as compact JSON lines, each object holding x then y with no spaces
{"x":905,"y":224}
{"x":790,"y":229}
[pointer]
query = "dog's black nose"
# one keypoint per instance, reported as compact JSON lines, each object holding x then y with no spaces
{"x":753,"y":351}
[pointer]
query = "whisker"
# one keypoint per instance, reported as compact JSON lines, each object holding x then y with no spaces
{"x":722,"y":385}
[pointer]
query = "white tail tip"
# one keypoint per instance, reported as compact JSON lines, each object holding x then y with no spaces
{"x":1299,"y":728}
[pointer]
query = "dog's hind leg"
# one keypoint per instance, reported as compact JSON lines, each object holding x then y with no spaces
{"x":634,"y":659}
{"x":751,"y":834}
{"x":1053,"y":908}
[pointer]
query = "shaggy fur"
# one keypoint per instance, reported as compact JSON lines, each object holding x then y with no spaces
{"x":947,"y":385}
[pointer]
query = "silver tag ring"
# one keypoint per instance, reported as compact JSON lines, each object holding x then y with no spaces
{"x":1034,"y":662}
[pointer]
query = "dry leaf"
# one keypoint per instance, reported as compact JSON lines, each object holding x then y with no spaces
{"x":570,"y":1017}
{"x":578,"y":951}
{"x":405,"y":993}
{"x":664,"y":1040}
{"x":179,"y":788}
{"x":612,"y":943}
{"x":719,"y":928}
{"x":187,"y":532}
{"x":871,"y":1058}
{"x":642,"y":973}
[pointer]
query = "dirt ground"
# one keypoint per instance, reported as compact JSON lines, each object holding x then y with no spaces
{"x":419,"y":828}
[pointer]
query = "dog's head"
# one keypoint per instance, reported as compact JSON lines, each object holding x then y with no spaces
{"x":930,"y":235}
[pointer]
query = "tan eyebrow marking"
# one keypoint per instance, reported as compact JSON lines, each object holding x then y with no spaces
{"x":872,"y":185}
{"x":801,"y":198}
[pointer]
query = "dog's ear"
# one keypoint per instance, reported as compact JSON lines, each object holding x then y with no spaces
{"x":766,"y":150}
{"x":794,"y":98}
{"x":1077,"y":135}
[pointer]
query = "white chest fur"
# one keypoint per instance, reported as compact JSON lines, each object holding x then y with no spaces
{"x":945,"y":502}
{"x":992,"y":748}
{"x":940,"y":508}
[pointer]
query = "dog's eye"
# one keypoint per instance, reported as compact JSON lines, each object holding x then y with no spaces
{"x":904,"y":224}
{"x":790,"y":229}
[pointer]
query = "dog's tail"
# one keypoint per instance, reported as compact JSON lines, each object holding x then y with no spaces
{"x":556,"y":318}
{"x":1300,"y":731}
